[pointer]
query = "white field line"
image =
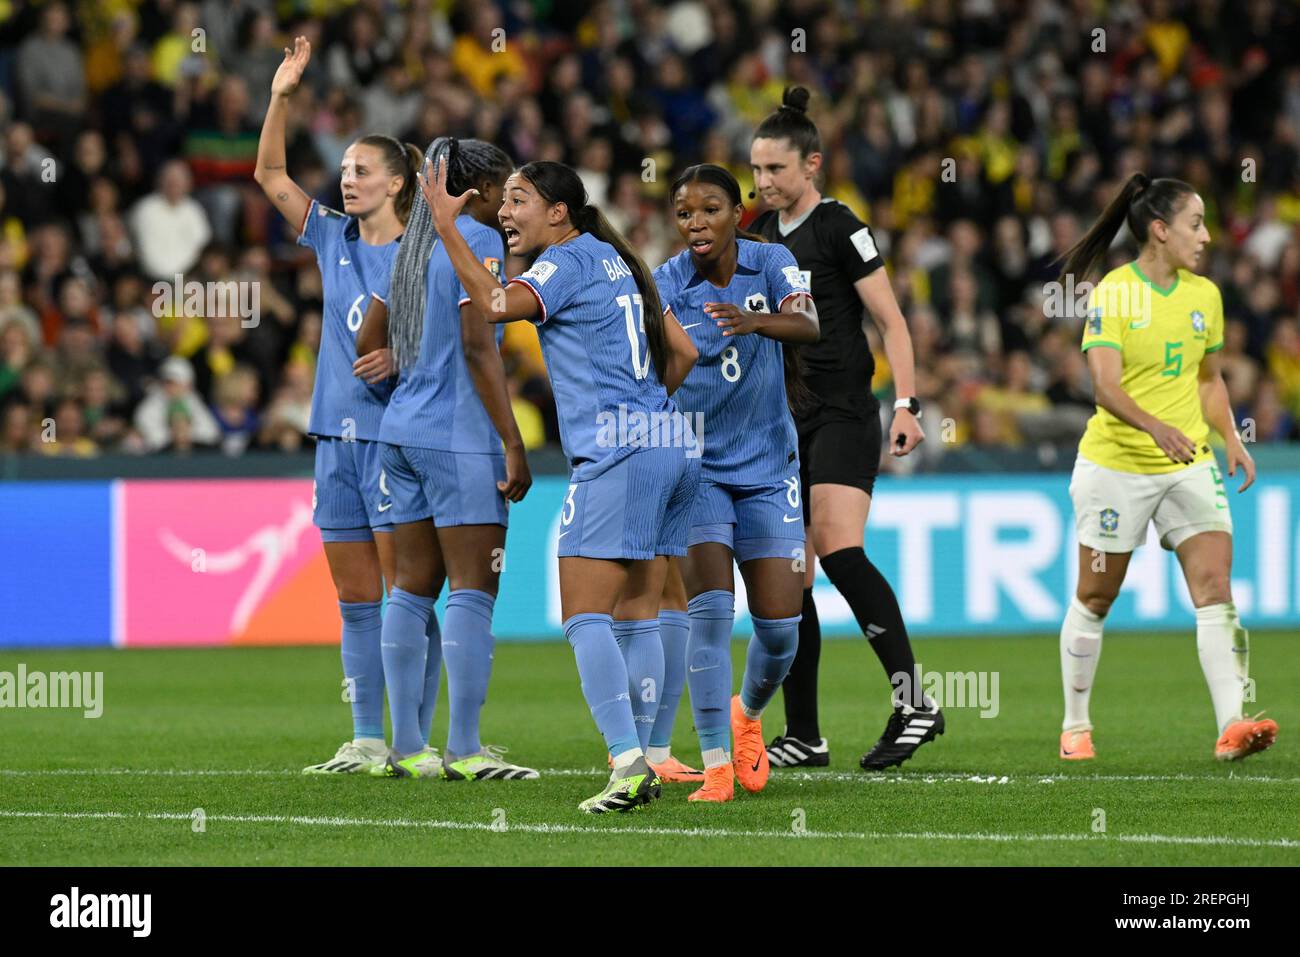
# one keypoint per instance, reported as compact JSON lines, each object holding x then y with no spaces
{"x":856,"y":777}
{"x":975,"y":837}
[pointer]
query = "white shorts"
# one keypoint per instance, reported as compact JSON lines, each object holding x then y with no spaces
{"x":1112,"y":509}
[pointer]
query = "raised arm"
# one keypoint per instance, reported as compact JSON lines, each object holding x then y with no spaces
{"x":493,"y":302}
{"x":271,"y":173}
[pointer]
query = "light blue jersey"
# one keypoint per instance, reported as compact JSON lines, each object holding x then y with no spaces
{"x":737,"y":388}
{"x":342,"y":404}
{"x":435,"y":404}
{"x":592,"y":330}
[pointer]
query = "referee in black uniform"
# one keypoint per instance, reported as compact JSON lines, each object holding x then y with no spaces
{"x":840,"y":432}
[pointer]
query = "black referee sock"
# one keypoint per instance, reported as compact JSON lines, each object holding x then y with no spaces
{"x":800,"y":685}
{"x":876,"y":609}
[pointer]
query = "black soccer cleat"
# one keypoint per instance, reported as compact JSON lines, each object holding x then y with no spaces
{"x":788,"y":752}
{"x":905,"y":732}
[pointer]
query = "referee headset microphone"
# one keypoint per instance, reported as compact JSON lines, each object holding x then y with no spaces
{"x":1139,"y":203}
{"x":469,"y":163}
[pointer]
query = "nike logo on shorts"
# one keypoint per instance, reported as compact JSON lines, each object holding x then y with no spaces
{"x":384,"y":508}
{"x":787,"y":518}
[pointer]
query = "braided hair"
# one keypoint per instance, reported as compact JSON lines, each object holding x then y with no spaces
{"x":469,"y":162}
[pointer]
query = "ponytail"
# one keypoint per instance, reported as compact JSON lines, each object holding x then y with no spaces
{"x":557,"y":183}
{"x":1140,"y":203}
{"x":593,"y":221}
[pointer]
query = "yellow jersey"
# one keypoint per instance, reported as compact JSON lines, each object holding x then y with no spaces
{"x":1161,"y":335}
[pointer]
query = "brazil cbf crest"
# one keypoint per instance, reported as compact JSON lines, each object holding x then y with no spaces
{"x":1198,"y":321}
{"x":1109,"y":520}
{"x":1094,"y":321}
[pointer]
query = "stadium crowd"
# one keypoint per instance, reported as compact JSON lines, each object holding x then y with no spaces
{"x":977,"y":137}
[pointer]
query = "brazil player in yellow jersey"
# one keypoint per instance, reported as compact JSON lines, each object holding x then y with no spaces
{"x":1152,"y":336}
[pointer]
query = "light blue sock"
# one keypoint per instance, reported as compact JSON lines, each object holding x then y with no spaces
{"x":432,"y":674}
{"x":674,"y":631}
{"x":405,"y":648}
{"x":768,"y":659}
{"x":467,"y":650}
{"x":363,"y":666}
{"x":604,"y":679}
{"x":644,"y":656}
{"x":708,"y":659}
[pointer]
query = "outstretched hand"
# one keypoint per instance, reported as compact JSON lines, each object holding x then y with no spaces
{"x":289,"y":74}
{"x":442,"y":205}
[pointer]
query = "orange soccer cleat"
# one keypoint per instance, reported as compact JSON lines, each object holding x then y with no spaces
{"x":749,"y":756}
{"x":719,"y":785}
{"x":673,"y":771}
{"x":1077,"y":745}
{"x":1244,"y":737}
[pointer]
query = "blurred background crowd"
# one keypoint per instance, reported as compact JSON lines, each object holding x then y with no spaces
{"x":979,"y":138}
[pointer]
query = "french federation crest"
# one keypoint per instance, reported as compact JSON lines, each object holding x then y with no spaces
{"x":1198,"y":321}
{"x":757,"y":302}
{"x":1094,"y":321}
{"x":1109,"y":520}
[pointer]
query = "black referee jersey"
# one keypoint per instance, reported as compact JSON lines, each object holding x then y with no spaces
{"x":835,"y":249}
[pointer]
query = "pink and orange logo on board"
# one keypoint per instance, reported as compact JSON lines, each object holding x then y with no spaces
{"x":218,"y":562}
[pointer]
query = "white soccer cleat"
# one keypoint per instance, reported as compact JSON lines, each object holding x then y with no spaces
{"x":353,"y":757}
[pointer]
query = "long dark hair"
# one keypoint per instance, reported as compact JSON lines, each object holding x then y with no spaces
{"x":1140,"y":203}
{"x":797,"y":393}
{"x":469,"y":162}
{"x":557,"y":183}
{"x":400,"y":159}
{"x":790,"y":121}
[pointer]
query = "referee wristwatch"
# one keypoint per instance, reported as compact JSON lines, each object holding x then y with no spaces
{"x":911,"y":404}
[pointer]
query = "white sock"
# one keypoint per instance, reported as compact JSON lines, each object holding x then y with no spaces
{"x":1080,"y":650}
{"x":625,"y":760}
{"x":371,"y":744}
{"x":658,"y":755}
{"x":1223,"y":646}
{"x":751,"y":713}
{"x":714,"y":757}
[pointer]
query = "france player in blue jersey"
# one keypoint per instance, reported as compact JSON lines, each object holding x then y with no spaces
{"x":449,"y":476}
{"x":739,"y":299}
{"x":354,"y":249}
{"x":613,"y":359}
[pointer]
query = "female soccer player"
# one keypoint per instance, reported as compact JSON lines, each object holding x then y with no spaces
{"x":1152,"y":337}
{"x":449,"y":479}
{"x":741,"y":299}
{"x":839,"y":432}
{"x":613,"y":359}
{"x":355,"y":250}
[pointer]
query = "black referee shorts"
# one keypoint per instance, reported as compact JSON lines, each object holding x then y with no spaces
{"x":840,"y":445}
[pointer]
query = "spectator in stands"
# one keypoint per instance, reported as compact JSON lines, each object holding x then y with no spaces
{"x":172,"y":414}
{"x":170,"y":228}
{"x":50,"y":76}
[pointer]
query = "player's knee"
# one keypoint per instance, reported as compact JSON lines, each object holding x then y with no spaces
{"x":351,"y":592}
{"x":1212,"y":588}
{"x":1097,"y":601}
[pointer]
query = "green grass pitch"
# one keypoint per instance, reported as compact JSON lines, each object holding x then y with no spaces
{"x":228,"y":731}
